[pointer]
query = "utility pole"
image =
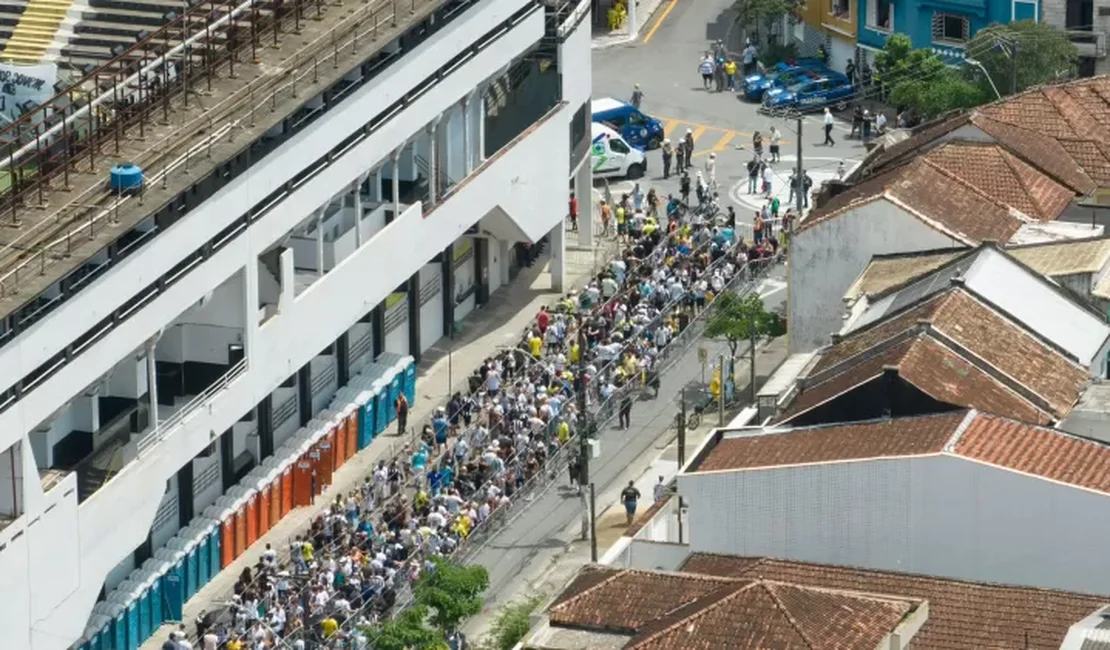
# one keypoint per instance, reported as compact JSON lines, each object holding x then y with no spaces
{"x":583,"y":417}
{"x":721,"y":394}
{"x":681,"y":424}
{"x":593,"y":525}
{"x":799,"y":173}
{"x":751,"y":379}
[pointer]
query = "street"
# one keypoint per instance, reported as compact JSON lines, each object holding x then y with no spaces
{"x":665,"y":66}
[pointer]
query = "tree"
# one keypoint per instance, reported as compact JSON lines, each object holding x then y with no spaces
{"x":1044,"y":54}
{"x":451,"y":593}
{"x":741,"y":318}
{"x":511,"y":624}
{"x":751,"y":13}
{"x":407,"y":632}
{"x":918,"y":79}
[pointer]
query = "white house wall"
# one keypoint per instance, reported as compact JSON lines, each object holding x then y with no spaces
{"x":937,"y":515}
{"x":69,"y":321}
{"x":827,"y":258}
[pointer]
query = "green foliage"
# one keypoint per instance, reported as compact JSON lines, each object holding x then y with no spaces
{"x":920,"y":80}
{"x":407,"y":632}
{"x":740,"y":318}
{"x":451,"y":593}
{"x":1044,"y":54}
{"x":748,"y":13}
{"x":512,"y":624}
{"x":777,"y":53}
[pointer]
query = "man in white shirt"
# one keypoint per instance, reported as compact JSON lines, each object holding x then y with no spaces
{"x":660,"y":490}
{"x":829,"y":121}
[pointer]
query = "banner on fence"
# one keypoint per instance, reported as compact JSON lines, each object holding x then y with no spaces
{"x":23,"y":87}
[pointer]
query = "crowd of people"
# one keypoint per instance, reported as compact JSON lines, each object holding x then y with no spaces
{"x":501,"y":441}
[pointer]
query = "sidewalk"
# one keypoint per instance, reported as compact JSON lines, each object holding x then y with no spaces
{"x":444,"y":368}
{"x":540,"y":552}
{"x":603,"y":38}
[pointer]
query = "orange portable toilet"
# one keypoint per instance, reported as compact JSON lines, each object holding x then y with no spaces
{"x":274,"y":472}
{"x":240,"y":526}
{"x":247,"y":502}
{"x":232,"y":523}
{"x":325,"y":462}
{"x":339,"y":443}
{"x":351,"y":413}
{"x":286,"y":489}
{"x":302,"y":482}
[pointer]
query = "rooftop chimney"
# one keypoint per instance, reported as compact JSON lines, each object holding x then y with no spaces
{"x":836,"y":337}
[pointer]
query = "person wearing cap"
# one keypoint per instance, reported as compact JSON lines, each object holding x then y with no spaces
{"x":711,"y":171}
{"x":637,"y":96}
{"x":667,"y":151}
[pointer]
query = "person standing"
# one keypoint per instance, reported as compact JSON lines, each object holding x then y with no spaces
{"x":629,"y":496}
{"x":705,"y":69}
{"x":660,"y":490}
{"x":689,"y":147}
{"x":572,"y":211}
{"x":768,"y":180}
{"x":680,"y":156}
{"x":730,"y":74}
{"x":668,"y":151}
{"x":625,"y":414}
{"x":606,"y":217}
{"x":711,"y":171}
{"x":776,"y":139}
{"x":401,"y":409}
{"x":749,"y":59}
{"x":637,"y":96}
{"x":828,"y":128}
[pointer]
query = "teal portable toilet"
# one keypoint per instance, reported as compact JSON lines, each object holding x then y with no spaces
{"x":152,"y":578}
{"x":189,"y":575}
{"x":214,"y":550}
{"x":140,"y":591}
{"x":114,"y":636}
{"x":366,"y":416}
{"x":382,"y":406}
{"x":199,"y":531}
{"x":173,"y":591}
{"x":409,"y":381}
{"x":128,"y":638}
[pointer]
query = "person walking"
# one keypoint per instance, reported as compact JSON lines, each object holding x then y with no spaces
{"x":660,"y":490}
{"x":753,"y":175}
{"x":625,"y":414}
{"x":572,"y":212}
{"x":705,"y":69}
{"x":637,"y":96}
{"x":629,"y":496}
{"x":668,"y":152}
{"x":606,"y":217}
{"x":828,"y":128}
{"x":711,"y":171}
{"x":401,"y":409}
{"x":775,"y":138}
{"x":689,"y":147}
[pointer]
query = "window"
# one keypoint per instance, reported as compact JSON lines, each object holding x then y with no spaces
{"x":636,"y":118}
{"x":618,"y":146}
{"x":950,"y":28}
{"x":841,"y":9}
{"x":880,"y":14}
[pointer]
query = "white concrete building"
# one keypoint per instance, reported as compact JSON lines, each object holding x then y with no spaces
{"x":131,"y":398}
{"x":962,"y":495}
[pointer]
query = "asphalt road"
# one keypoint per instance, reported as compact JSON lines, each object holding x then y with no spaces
{"x":666,"y":69}
{"x":530,"y":543}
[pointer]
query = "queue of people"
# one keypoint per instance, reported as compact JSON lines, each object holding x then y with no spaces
{"x":600,"y":348}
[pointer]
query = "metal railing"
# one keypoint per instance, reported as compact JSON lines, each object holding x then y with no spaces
{"x":161,"y":429}
{"x":232,"y":114}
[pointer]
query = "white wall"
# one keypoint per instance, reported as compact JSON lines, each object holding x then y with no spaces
{"x":827,"y":258}
{"x":937,"y":515}
{"x":117,"y":518}
{"x":431,"y":312}
{"x":323,"y":366}
{"x":397,"y":328}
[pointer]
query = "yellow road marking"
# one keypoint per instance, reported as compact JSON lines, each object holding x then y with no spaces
{"x":698,"y":132}
{"x":723,"y":142}
{"x":696,"y":125}
{"x":662,"y":17}
{"x":668,"y":127}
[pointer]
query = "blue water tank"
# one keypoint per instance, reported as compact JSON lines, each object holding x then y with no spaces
{"x":126,"y":177}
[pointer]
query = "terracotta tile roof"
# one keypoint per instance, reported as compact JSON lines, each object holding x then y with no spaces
{"x":886,"y":272}
{"x":1065,"y":258}
{"x":937,"y":197}
{"x":922,"y":136}
{"x":977,"y":330}
{"x":627,"y":600}
{"x":1008,"y":347}
{"x":962,"y":615}
{"x":761,"y":614}
{"x":1041,"y":150}
{"x":915,"y":436}
{"x":934,"y":369}
{"x":1002,"y":176}
{"x":1047,"y":453}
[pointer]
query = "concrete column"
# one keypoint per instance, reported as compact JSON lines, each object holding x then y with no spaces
{"x":152,"y":382}
{"x":632,"y":28}
{"x":468,"y":158}
{"x":250,"y":307}
{"x":503,"y":251}
{"x":583,"y":190}
{"x":397,"y":182}
{"x":358,"y":214}
{"x":557,"y":238}
{"x":320,"y":242}
{"x":433,"y":152}
{"x":481,"y":130}
{"x":376,"y":187}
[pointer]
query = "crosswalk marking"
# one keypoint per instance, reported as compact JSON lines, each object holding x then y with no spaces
{"x":698,"y":132}
{"x":723,"y":142}
{"x":669,"y":127}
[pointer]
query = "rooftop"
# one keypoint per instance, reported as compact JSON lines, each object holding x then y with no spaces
{"x":1055,"y":259}
{"x":1001,"y":442}
{"x":962,"y":614}
{"x":1026,"y":298}
{"x":695,"y":611}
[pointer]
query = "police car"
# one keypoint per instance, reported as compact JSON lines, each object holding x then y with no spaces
{"x":781,"y":75}
{"x":831,"y":89}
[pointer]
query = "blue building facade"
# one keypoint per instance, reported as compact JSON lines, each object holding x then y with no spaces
{"x":943,"y":25}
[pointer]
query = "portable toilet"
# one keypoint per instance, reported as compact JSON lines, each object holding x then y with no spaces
{"x":141,"y":588}
{"x":327,"y":422}
{"x":159,"y":571}
{"x":189,"y":562}
{"x":363,"y":404}
{"x":408,"y":369}
{"x":173,"y":582}
{"x":208,"y":549}
{"x":129,"y":640}
{"x":246,"y":503}
{"x":225,"y":516}
{"x":259,"y":480}
{"x":93,"y":638}
{"x":382,"y":405}
{"x":283,"y":488}
{"x":113,"y":637}
{"x":238,"y":506}
{"x":152,"y":586}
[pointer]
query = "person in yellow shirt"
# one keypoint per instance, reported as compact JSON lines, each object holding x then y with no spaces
{"x":234,"y":644}
{"x":328,"y":626}
{"x":563,"y":433}
{"x":535,"y":345}
{"x":307,"y":551}
{"x":730,"y":74}
{"x":575,"y":353}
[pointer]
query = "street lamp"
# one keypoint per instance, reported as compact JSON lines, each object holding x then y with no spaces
{"x":978,"y":64}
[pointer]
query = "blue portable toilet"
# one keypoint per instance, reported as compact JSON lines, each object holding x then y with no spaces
{"x":140,"y":591}
{"x":114,"y":636}
{"x":128,"y":637}
{"x":367,"y":416}
{"x":213,"y":546}
{"x":382,"y":406}
{"x":410,"y":380}
{"x":188,"y":563}
{"x":173,"y":588}
{"x":154,"y":573}
{"x":200,"y":531}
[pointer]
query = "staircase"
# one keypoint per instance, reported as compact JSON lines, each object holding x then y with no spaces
{"x":34,"y":33}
